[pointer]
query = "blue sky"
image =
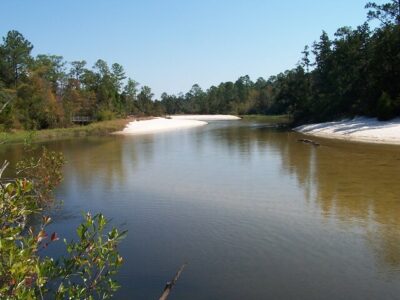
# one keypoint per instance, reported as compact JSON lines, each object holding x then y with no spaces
{"x":172,"y":44}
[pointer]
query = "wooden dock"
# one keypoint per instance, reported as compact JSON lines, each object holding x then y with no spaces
{"x":81,"y":119}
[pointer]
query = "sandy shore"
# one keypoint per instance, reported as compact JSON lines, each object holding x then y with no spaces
{"x":358,"y":129}
{"x":205,"y":117}
{"x":159,"y":125}
{"x":172,"y":123}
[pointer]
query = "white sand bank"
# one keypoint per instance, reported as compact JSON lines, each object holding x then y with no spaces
{"x":205,"y":117}
{"x":158,"y":125}
{"x":358,"y":129}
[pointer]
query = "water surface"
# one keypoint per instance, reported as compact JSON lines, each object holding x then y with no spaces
{"x":256,"y":214}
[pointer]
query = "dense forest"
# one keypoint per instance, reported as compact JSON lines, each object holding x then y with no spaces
{"x":357,"y":72}
{"x":46,"y":92}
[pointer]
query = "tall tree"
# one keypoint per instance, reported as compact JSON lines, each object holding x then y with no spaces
{"x":387,"y":13}
{"x":145,"y":99}
{"x":305,"y":60}
{"x":77,"y":70}
{"x":51,"y":68}
{"x":118,"y":75}
{"x":15,"y":56}
{"x":129,"y":96}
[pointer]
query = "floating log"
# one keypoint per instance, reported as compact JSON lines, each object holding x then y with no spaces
{"x":307,"y":141}
{"x":168,"y":287}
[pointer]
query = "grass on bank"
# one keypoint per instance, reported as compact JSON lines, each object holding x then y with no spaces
{"x":105,"y":128}
{"x":97,"y":128}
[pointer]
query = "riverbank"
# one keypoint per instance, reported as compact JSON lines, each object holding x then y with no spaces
{"x":93,"y":129}
{"x":174,"y":122}
{"x":274,"y":119}
{"x":205,"y":117}
{"x":143,"y":125}
{"x":359,"y":129}
{"x":158,"y":125}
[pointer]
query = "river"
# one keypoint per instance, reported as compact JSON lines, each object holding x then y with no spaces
{"x":255,"y":213}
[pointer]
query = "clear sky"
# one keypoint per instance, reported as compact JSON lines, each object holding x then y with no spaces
{"x":172,"y":44}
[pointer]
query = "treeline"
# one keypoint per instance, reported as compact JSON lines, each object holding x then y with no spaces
{"x":357,"y":72}
{"x":46,"y":92}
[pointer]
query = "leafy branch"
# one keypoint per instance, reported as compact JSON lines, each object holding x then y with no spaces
{"x":88,"y":268}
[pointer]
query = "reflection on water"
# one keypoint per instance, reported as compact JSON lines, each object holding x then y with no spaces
{"x":255,"y":213}
{"x":356,"y":183}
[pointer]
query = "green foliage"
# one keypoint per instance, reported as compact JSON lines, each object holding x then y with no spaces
{"x":386,"y":107}
{"x":14,"y":57}
{"x":145,"y":100}
{"x":105,"y":115}
{"x":19,"y":262}
{"x":45,"y":91}
{"x":93,"y":129}
{"x":91,"y":262}
{"x":85,"y":272}
{"x":342,"y":78}
{"x":339,"y":76}
{"x":45,"y":172}
{"x":7,"y":98}
{"x":386,"y":13}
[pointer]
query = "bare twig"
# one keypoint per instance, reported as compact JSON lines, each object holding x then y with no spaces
{"x":4,"y":106}
{"x":170,"y":285}
{"x":3,"y":167}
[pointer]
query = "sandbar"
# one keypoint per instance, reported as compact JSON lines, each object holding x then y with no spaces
{"x":158,"y":125}
{"x":205,"y":117}
{"x":359,"y":129}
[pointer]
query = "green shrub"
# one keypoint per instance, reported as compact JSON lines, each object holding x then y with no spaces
{"x":86,"y":272}
{"x":105,"y":115}
{"x":386,"y":108}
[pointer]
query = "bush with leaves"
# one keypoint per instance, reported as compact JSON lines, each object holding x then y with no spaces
{"x":86,"y":272}
{"x":44,"y":171}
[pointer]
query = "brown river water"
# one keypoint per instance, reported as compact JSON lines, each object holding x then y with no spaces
{"x":255,"y":213}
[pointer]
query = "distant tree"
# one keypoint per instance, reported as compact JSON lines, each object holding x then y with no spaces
{"x":15,"y":57}
{"x":51,"y":68}
{"x":199,"y":98}
{"x":305,"y":60}
{"x":243,"y":86}
{"x":106,"y":89}
{"x":37,"y":105}
{"x":170,"y":103}
{"x":77,"y":70}
{"x":89,"y":79}
{"x":386,"y":107}
{"x":145,"y":100}
{"x":387,"y":13}
{"x":102,"y":68}
{"x":118,"y":75}
{"x":129,"y":96}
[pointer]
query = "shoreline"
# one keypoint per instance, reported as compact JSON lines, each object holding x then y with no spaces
{"x":360,"y":129}
{"x":156,"y":125}
{"x":205,"y":117}
{"x":94,"y":129}
{"x":170,"y":123}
